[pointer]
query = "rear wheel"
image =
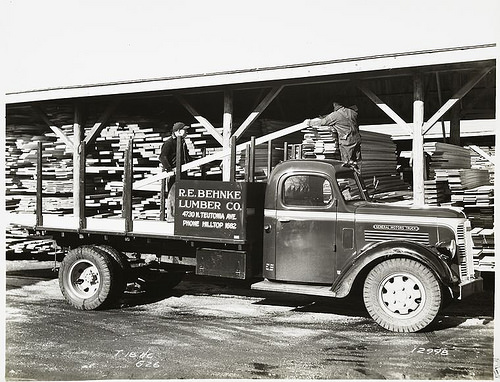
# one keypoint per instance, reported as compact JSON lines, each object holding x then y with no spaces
{"x":402,"y":295}
{"x":89,"y":278}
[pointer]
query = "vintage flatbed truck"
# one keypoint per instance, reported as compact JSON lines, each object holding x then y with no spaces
{"x":312,"y":229}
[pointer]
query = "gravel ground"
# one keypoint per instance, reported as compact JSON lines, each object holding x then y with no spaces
{"x":208,"y":328}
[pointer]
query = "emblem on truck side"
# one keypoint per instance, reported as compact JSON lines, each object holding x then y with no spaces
{"x":392,"y":227}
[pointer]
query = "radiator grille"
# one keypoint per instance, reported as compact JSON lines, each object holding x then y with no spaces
{"x":464,"y":265}
{"x":377,"y":236}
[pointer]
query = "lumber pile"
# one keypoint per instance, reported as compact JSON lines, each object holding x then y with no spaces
{"x":480,"y":162}
{"x":320,"y":142}
{"x":460,"y":177}
{"x":259,"y":128}
{"x":484,"y":248}
{"x":446,"y":156}
{"x":378,"y":153}
{"x":380,"y":162}
{"x":17,"y":244}
{"x":436,"y":192}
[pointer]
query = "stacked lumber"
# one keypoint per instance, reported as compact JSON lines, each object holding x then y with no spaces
{"x":484,"y":248}
{"x":262,"y":127}
{"x":462,"y":179}
{"x":104,"y":180}
{"x":320,"y":142}
{"x":261,"y":158}
{"x":481,"y":196}
{"x":201,"y":143}
{"x":446,"y":156}
{"x":480,"y":162}
{"x":378,"y":154}
{"x":469,"y":179}
{"x":380,"y":162}
{"x":20,"y":161}
{"x":18,"y":243}
{"x":436,"y":192}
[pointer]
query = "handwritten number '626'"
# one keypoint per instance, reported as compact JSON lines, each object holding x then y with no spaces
{"x":147,"y":364}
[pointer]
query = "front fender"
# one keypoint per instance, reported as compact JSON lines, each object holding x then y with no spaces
{"x":376,"y":252}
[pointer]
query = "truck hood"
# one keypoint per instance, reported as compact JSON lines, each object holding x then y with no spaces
{"x":408,"y":211}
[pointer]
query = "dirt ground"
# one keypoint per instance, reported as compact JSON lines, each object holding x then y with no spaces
{"x":208,"y":328}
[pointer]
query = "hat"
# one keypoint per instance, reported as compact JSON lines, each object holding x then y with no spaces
{"x":336,"y":106}
{"x":178,"y":126}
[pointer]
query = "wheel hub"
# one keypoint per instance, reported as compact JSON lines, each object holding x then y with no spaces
{"x":84,"y":279}
{"x":401,"y":294}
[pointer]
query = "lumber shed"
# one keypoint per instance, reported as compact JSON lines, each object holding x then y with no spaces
{"x":446,"y":95}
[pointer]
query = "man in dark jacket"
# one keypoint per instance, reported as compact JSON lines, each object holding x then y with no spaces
{"x":168,"y":159}
{"x":345,"y":122}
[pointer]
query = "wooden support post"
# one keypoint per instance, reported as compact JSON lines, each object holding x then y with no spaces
{"x":232,"y":174}
{"x":247,"y":163}
{"x":227,"y":128}
{"x":252,"y":159}
{"x":82,"y":221}
{"x":269,"y":158}
{"x":127,"y":187}
{"x":39,"y":185}
{"x":455,"y":115}
{"x":418,"y":141}
{"x":440,"y":98}
{"x":203,"y":168}
{"x":178,"y":159}
{"x":78,"y":169}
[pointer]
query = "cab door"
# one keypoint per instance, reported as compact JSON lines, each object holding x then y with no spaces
{"x":305,"y":229}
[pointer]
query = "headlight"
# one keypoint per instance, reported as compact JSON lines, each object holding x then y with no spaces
{"x":447,"y":248}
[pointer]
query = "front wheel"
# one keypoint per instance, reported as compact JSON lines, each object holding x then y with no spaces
{"x":402,"y":295}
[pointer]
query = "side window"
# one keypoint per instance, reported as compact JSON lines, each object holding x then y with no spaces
{"x":306,"y":190}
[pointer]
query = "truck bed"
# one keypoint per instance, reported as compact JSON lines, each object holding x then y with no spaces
{"x":110,"y":226}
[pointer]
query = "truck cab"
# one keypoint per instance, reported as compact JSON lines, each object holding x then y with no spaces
{"x":322,"y":235}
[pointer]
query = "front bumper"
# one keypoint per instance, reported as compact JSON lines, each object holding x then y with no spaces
{"x":468,"y":288}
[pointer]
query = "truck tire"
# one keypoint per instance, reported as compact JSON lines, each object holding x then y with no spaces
{"x":121,"y":264}
{"x":402,"y":295}
{"x":88,"y":278}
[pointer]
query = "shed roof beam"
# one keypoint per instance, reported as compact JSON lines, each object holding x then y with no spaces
{"x":258,"y":110}
{"x":204,"y":122}
{"x":483,"y":153}
{"x":385,"y":108}
{"x":101,"y":123}
{"x":456,"y":97}
{"x":57,"y":130}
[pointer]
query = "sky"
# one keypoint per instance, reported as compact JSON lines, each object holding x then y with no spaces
{"x":56,"y":43}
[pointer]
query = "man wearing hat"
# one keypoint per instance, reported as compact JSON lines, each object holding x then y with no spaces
{"x":345,"y":122}
{"x":168,"y":159}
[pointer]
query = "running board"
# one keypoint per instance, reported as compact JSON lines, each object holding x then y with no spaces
{"x":311,"y":290}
